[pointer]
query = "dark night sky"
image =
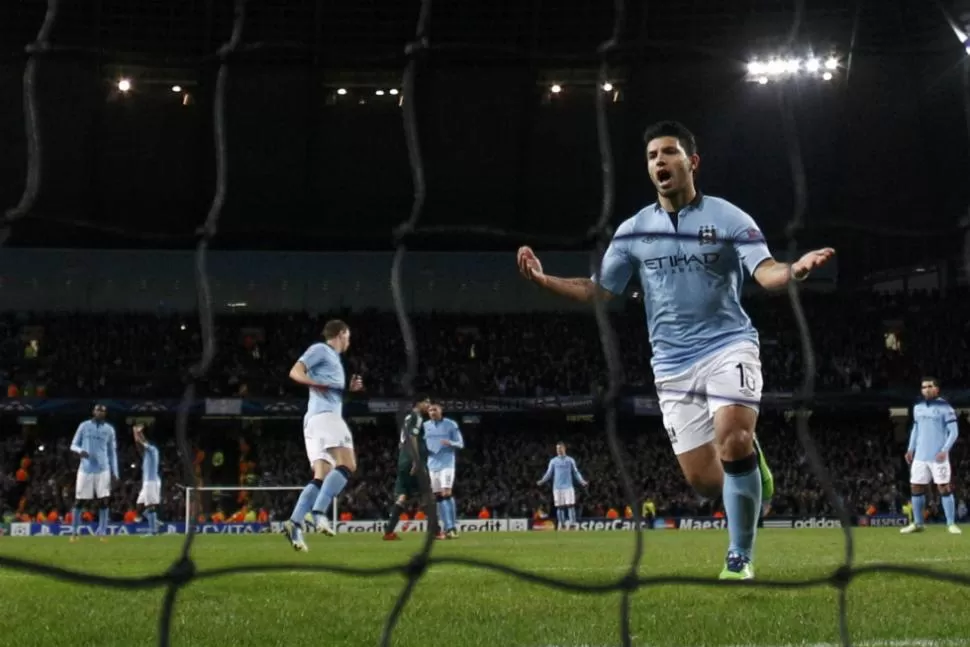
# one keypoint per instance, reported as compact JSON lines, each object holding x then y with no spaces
{"x":885,"y":151}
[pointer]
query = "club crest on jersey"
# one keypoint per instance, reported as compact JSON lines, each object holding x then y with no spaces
{"x":707,"y":235}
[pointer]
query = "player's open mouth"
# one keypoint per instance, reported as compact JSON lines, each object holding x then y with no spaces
{"x":664,"y":176}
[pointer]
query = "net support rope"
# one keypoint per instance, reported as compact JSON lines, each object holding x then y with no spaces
{"x":183,"y":571}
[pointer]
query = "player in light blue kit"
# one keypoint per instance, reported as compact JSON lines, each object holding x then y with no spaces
{"x":150,"y":495}
{"x":563,"y":472}
{"x":691,"y":252}
{"x":934,"y":433}
{"x":329,"y":445}
{"x":97,"y":446}
{"x":443,"y":438}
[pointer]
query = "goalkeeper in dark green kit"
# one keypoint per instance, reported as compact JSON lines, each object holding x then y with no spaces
{"x":410,"y":444}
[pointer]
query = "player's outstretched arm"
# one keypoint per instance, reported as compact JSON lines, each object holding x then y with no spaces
{"x":774,"y":275}
{"x":547,"y":475}
{"x":577,"y":289}
{"x":577,"y":475}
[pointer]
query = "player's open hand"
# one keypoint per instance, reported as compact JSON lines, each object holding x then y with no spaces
{"x":356,"y":383}
{"x":528,"y":262}
{"x":84,"y":454}
{"x":941,"y":457}
{"x":909,"y":457}
{"x":811,"y":260}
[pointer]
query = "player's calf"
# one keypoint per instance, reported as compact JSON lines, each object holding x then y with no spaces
{"x":702,"y":469}
{"x":332,"y":486}
{"x":949,"y":507}
{"x":152,"y":518}
{"x":918,"y":500}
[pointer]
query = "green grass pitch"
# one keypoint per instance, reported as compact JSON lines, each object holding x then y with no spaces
{"x":466,"y":607}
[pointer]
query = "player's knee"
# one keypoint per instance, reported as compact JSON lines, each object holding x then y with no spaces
{"x":734,"y":431}
{"x":707,"y":483}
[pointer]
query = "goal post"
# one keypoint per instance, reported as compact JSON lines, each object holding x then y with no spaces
{"x":190,"y":491}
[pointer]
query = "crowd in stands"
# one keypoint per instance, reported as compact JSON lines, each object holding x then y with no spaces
{"x":497,"y":472}
{"x":862,"y":341}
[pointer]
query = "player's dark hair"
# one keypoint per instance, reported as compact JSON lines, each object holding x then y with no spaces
{"x":560,"y":443}
{"x":672,"y":129}
{"x":932,"y":380}
{"x":333,"y":328}
{"x":421,"y":397}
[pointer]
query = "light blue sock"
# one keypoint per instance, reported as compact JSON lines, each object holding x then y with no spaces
{"x":560,"y":517}
{"x":305,"y":502}
{"x":333,"y":485}
{"x":950,"y":508}
{"x":742,"y":504}
{"x":452,"y":512}
{"x":442,"y":515}
{"x":75,"y":520}
{"x":447,"y":523}
{"x":919,"y":501}
{"x":102,"y":521}
{"x":152,"y":522}
{"x":572,"y":513}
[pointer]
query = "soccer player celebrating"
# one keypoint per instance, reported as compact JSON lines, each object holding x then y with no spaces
{"x":151,"y":486}
{"x":562,"y":470}
{"x":96,"y":444}
{"x":329,"y":445}
{"x":690,"y":251}
{"x":934,"y":433}
{"x":443,"y":438}
{"x":411,"y":446}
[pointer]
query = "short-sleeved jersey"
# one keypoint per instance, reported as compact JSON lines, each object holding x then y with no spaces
{"x":149,"y":464}
{"x":411,"y":427}
{"x":324,"y":367}
{"x":934,"y":429}
{"x":98,"y":440}
{"x":691,"y":277}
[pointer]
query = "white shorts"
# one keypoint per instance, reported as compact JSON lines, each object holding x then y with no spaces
{"x":151,"y":493}
{"x":564,"y":498}
{"x":442,"y":479}
{"x":322,"y":433}
{"x":922,"y":472}
{"x":90,"y":485}
{"x":688,"y":401}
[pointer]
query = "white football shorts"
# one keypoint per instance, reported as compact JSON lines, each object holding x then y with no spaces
{"x":689,"y":401}
{"x":92,"y":485}
{"x":323,"y":432}
{"x":564,"y":498}
{"x":150,"y":494}
{"x":922,"y":472}
{"x":442,"y":479}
